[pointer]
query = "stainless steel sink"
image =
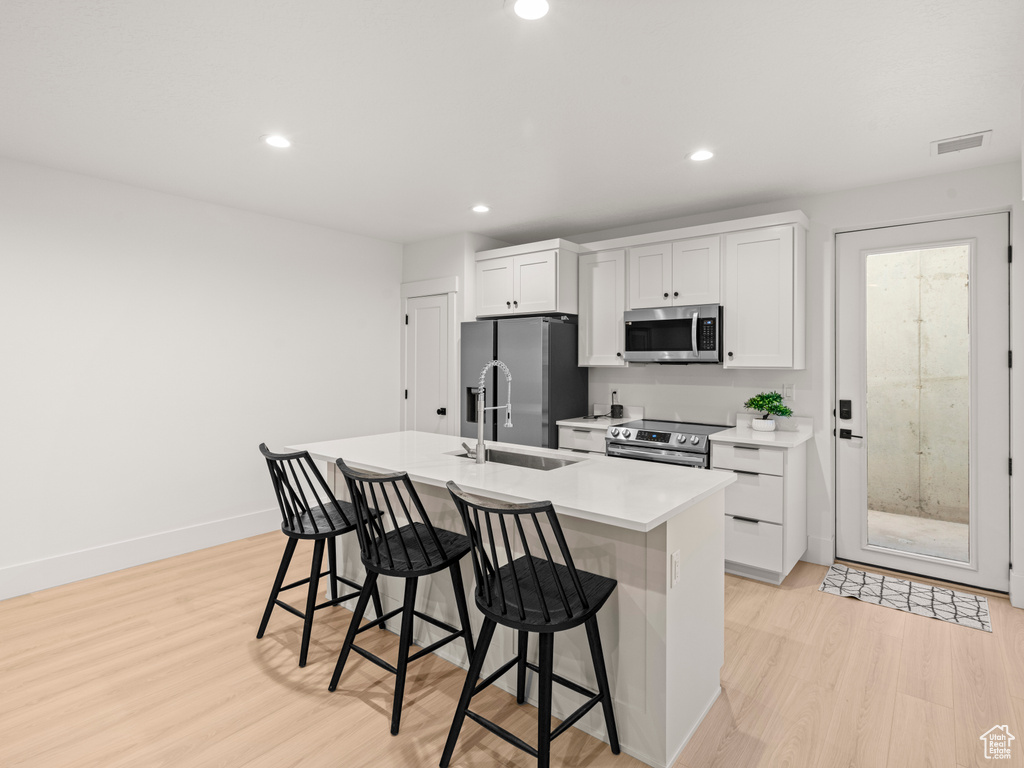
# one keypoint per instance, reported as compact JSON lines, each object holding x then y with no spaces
{"x":528,"y":460}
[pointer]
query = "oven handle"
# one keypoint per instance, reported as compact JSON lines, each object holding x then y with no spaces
{"x":667,"y":456}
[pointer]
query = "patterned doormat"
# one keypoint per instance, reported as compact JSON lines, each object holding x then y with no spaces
{"x":922,"y":599}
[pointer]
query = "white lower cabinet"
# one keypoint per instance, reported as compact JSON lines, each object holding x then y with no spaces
{"x":581,"y":439}
{"x":765,"y":509}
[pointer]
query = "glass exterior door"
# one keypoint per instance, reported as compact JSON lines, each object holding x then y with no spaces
{"x":922,"y":439}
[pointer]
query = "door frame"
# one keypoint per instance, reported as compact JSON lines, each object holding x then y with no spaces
{"x":1016,"y":599}
{"x":442,"y":285}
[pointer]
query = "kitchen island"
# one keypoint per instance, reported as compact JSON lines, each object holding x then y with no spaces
{"x":657,"y":529}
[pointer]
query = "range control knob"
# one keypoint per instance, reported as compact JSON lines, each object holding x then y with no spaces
{"x":681,"y":438}
{"x":694,"y":439}
{"x":615,"y":431}
{"x":627,"y":434}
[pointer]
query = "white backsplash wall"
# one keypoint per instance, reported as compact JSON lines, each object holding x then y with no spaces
{"x":703,"y":393}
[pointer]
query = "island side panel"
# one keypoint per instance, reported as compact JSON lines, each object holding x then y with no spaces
{"x":695,"y":619}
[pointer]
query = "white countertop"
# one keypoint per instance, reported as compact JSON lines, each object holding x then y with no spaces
{"x":599,"y":423}
{"x":637,"y":495}
{"x":742,"y":434}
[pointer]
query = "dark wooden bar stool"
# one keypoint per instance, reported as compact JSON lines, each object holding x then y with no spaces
{"x":531,"y":592}
{"x":411,"y":547}
{"x":309,"y":511}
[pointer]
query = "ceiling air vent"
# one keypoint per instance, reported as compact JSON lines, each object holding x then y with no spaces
{"x":960,"y":143}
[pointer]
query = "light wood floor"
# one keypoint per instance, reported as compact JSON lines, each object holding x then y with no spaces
{"x":159,"y":666}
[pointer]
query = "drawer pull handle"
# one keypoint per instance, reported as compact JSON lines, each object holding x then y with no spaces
{"x":745,"y":519}
{"x":744,"y":472}
{"x":582,"y":431}
{"x":745,"y":448}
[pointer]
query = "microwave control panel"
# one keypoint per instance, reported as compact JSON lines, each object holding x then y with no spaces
{"x":707,"y":339}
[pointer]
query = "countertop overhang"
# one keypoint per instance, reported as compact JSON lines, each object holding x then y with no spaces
{"x":636,"y":495}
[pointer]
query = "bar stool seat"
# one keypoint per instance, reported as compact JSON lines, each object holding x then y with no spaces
{"x":420,"y":555}
{"x":532,"y":594}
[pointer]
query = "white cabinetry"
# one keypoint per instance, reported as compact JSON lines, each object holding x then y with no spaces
{"x":602,"y":301}
{"x":527,"y":279}
{"x":681,"y":273}
{"x":763,"y":301}
{"x":766,"y":508}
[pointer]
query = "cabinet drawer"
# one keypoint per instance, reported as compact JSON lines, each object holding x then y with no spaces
{"x":579,"y":439}
{"x":758,"y":545}
{"x":765,"y":461}
{"x":756,"y":496}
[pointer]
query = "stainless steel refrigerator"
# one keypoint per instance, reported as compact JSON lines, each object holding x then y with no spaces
{"x":547,"y":382}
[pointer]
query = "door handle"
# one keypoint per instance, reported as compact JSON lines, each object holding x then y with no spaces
{"x":442,"y":411}
{"x":846,"y":434}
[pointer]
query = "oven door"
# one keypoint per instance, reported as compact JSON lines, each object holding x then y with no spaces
{"x":673,"y":334}
{"x":680,"y":458}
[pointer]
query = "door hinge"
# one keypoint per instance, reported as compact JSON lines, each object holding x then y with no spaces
{"x":407,"y":394}
{"x":1009,"y":254}
{"x":1009,"y":359}
{"x":1011,"y":466}
{"x":406,"y":319}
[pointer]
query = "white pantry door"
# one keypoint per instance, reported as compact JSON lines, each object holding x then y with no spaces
{"x":922,"y":399}
{"x":426,"y":365}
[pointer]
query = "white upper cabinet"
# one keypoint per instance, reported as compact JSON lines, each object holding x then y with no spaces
{"x":527,"y":279}
{"x":696,"y":270}
{"x":763,"y":302}
{"x":682,"y":273}
{"x":650,"y":276}
{"x":602,"y":302}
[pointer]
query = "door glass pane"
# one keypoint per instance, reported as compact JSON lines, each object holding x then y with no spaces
{"x":918,"y":420}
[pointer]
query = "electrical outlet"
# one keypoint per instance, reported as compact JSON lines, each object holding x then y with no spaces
{"x":674,"y":567}
{"x":789,"y":391}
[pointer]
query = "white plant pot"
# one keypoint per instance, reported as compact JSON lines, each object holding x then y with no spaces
{"x":762,"y":425}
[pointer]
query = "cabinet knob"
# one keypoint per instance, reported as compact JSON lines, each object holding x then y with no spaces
{"x":508,"y":304}
{"x":515,"y":303}
{"x":675,"y":293}
{"x":618,"y":354}
{"x":442,"y":411}
{"x":666,"y":295}
{"x":730,"y":354}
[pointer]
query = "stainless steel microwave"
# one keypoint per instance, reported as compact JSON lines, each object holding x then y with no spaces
{"x":674,"y":334}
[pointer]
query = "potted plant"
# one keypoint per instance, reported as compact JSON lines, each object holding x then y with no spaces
{"x":770,"y":404}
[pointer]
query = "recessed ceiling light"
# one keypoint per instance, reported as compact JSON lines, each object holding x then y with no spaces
{"x":480,"y":208}
{"x":278,"y":141}
{"x":531,"y":9}
{"x":702,"y":154}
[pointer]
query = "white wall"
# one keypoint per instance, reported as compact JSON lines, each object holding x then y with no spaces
{"x":149,"y":344}
{"x":706,"y":393}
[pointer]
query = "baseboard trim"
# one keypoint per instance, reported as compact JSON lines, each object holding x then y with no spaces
{"x":820,"y":551}
{"x":1017,"y":589}
{"x":23,"y":578}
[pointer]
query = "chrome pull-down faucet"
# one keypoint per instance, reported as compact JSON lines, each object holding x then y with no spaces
{"x":481,"y":407}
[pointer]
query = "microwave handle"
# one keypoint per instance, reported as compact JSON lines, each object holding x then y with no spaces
{"x":693,"y":332}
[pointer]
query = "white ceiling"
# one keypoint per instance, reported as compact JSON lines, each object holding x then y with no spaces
{"x":404,"y":113}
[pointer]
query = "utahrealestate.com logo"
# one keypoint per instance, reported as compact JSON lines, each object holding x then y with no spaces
{"x":997,"y":742}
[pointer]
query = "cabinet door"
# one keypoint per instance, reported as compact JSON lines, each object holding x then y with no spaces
{"x":696,"y":266}
{"x":602,"y":301}
{"x":650,"y":275}
{"x":758,"y":300}
{"x":494,"y":286}
{"x":535,"y":288}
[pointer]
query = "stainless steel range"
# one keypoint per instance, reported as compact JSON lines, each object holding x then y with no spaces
{"x":669,"y":442}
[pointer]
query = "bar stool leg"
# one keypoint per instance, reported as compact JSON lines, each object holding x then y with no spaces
{"x":377,"y":606}
{"x":460,"y":602}
{"x":405,"y":640}
{"x":332,"y":559}
{"x":314,"y":583}
{"x":477,"y":663}
{"x":524,"y":644}
{"x":282,"y":571}
{"x":594,"y":636}
{"x":547,"y":653}
{"x":369,"y":586}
